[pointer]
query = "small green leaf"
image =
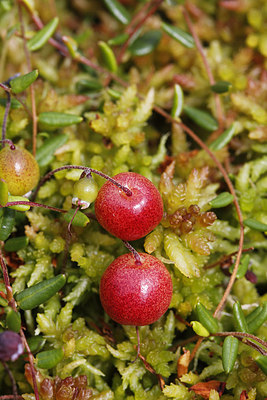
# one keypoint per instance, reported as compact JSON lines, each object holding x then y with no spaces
{"x":49,"y":359}
{"x":243,"y":266}
{"x":3,"y":192}
{"x":108,"y":56}
{"x":254,"y":224}
{"x":14,"y":103}
{"x":3,"y":302}
{"x":239,"y":318}
{"x":17,"y":243}
{"x":222,"y":200}
{"x":118,"y":11}
{"x":114,"y":93}
{"x":42,"y":36}
{"x":221,"y":87}
{"x":53,"y":120}
{"x":179,"y":35}
{"x":41,"y":292}
{"x":13,"y":319}
{"x":262,"y":363}
{"x":86,"y":85}
{"x":255,"y":323}
{"x":178,"y":101}
{"x":7,"y":223}
{"x":146,"y":43}
{"x":19,"y":207}
{"x":201,"y":118}
{"x":21,"y":83}
{"x":118,"y":40}
{"x":80,"y":218}
{"x":229,"y":353}
{"x":199,"y":329}
{"x":206,"y":318}
{"x":223,"y":139}
{"x":36,"y":343}
{"x":45,"y":153}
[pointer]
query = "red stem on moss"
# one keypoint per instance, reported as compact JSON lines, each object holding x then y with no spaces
{"x":12,"y":379}
{"x":31,"y":361}
{"x":33,"y":204}
{"x":29,"y":66}
{"x":209,"y":73}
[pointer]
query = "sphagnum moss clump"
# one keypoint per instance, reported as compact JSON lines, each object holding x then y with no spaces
{"x":109,"y":108}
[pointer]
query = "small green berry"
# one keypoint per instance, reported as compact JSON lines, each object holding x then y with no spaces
{"x":19,"y":169}
{"x":85,"y":190}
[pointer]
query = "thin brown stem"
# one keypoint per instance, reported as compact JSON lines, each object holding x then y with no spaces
{"x":155,"y":5}
{"x":31,"y":361}
{"x":33,"y":204}
{"x":134,"y":252}
{"x":242,"y":335}
{"x":13,"y":382}
{"x":9,"y":292}
{"x":8,"y":104}
{"x":225,"y":258}
{"x":32,"y":92}
{"x":198,"y":343}
{"x":208,"y":70}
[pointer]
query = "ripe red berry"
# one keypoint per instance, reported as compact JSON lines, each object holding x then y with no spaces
{"x":129,"y":217}
{"x":133,"y":294}
{"x":19,"y":169}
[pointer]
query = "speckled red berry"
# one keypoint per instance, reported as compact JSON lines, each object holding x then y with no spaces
{"x":129,"y":217}
{"x":133,"y":294}
{"x":19,"y":170}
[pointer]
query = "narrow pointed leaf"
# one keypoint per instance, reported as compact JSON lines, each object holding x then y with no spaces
{"x":21,"y":83}
{"x":179,"y":35}
{"x":45,"y":153}
{"x":7,"y":223}
{"x":255,"y":323}
{"x":146,"y":43}
{"x":221,"y":87}
{"x":80,"y":218}
{"x":108,"y":57}
{"x":41,"y":292}
{"x":239,"y":318}
{"x":262,"y":363}
{"x":222,"y":200}
{"x":201,"y":118}
{"x":42,"y":36}
{"x":229,"y":353}
{"x":54,"y":120}
{"x":223,"y":139}
{"x":254,"y":224}
{"x":118,"y":40}
{"x":206,"y":318}
{"x":118,"y":11}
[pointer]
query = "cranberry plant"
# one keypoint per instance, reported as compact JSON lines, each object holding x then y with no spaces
{"x":141,"y":121}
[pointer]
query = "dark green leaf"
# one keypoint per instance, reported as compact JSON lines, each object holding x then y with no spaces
{"x":42,"y":36}
{"x":80,"y":218}
{"x":206,"y":318}
{"x":118,"y":11}
{"x":221,"y":87}
{"x":242,"y":268}
{"x":118,"y":40}
{"x":45,"y":153}
{"x":14,"y":103}
{"x":21,"y":83}
{"x":41,"y":292}
{"x":254,"y":224}
{"x":201,"y":118}
{"x":13,"y":320}
{"x":53,"y":120}
{"x":146,"y":43}
{"x":179,"y":35}
{"x":239,"y":318}
{"x":255,"y":323}
{"x":36,"y":343}
{"x":223,"y":139}
{"x":86,"y":85}
{"x":229,"y":353}
{"x":7,"y":223}
{"x":49,"y":359}
{"x":262,"y":363}
{"x":222,"y":200}
{"x":17,"y":243}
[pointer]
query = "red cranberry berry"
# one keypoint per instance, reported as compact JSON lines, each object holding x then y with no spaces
{"x":129,"y":217}
{"x":19,"y":169}
{"x":134,"y":293}
{"x":11,"y":346}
